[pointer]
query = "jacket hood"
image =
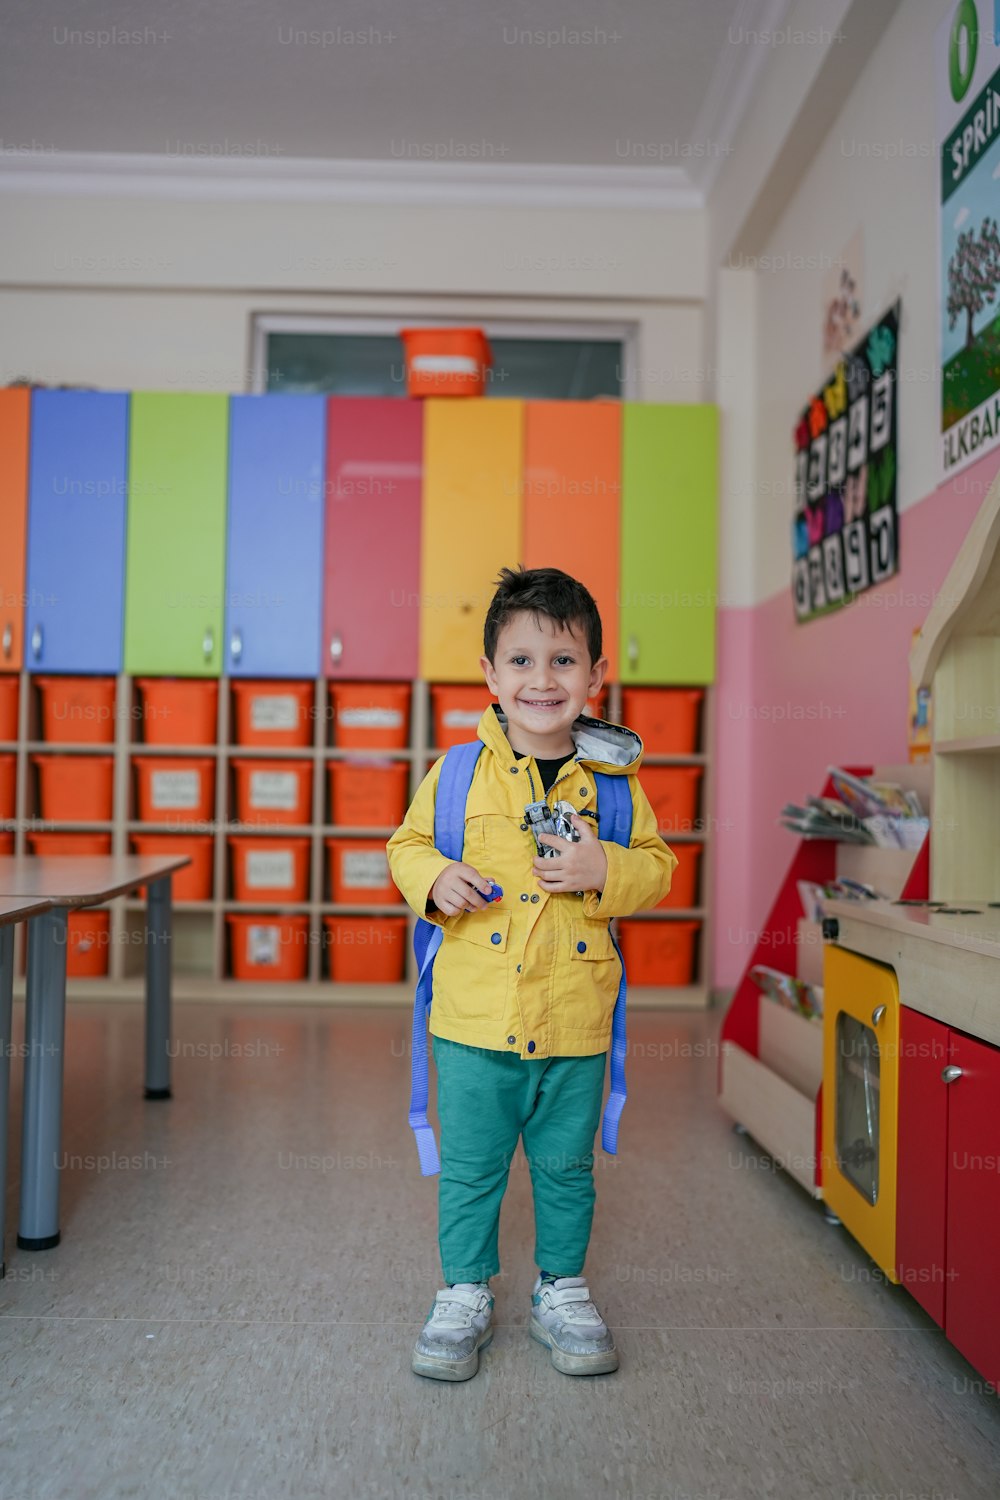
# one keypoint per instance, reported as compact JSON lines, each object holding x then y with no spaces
{"x":600,"y":745}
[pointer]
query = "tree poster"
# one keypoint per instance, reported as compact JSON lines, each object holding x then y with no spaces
{"x":845,"y":532}
{"x":967,"y":84}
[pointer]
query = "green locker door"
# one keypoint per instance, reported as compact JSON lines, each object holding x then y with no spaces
{"x":176,"y":540}
{"x":669,"y":542}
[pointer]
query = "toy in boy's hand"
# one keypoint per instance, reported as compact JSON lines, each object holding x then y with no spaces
{"x":497,"y":892}
{"x":556,"y":821}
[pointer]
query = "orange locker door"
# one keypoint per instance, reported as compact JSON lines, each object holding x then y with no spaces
{"x":470,"y":526}
{"x":14,"y":409}
{"x":572,"y":490}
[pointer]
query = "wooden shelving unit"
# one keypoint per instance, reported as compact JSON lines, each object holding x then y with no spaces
{"x":200,"y":955}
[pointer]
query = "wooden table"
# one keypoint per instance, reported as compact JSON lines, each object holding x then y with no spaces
{"x":64,"y":884}
{"x":12,"y":909}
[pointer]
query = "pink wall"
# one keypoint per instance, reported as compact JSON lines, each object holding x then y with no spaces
{"x":793,"y":699}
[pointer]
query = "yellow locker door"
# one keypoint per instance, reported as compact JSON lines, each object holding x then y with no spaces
{"x":470,"y":526}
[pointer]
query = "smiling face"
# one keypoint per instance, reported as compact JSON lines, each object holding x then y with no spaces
{"x":542,"y":674}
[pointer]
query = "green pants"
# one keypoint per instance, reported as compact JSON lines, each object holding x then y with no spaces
{"x":486,"y":1100}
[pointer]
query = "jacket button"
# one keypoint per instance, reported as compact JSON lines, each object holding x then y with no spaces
{"x":581,"y":947}
{"x":519,"y":968}
{"x":583,"y":791}
{"x":511,"y":1040}
{"x":535,"y":898}
{"x":531,"y":1046}
{"x":524,"y":895}
{"x":514,"y":770}
{"x":524,"y":827}
{"x":495,"y":938}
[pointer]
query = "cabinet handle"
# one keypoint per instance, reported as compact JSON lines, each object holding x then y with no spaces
{"x":236,"y":645}
{"x":877,"y":1014}
{"x":8,"y":638}
{"x":336,"y":648}
{"x":949,"y":1074}
{"x":633,"y":652}
{"x":208,"y":643}
{"x":36,"y":642}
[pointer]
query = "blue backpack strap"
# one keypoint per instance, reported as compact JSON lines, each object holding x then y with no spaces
{"x":449,"y":838}
{"x":614,"y":814}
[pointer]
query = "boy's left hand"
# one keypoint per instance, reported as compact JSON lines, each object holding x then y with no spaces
{"x":579,"y":867}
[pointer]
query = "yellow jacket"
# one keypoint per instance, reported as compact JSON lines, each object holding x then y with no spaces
{"x":535,"y":973}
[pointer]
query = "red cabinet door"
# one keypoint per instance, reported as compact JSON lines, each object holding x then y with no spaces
{"x":371,"y":614}
{"x":922,"y":1160}
{"x":972,"y":1320}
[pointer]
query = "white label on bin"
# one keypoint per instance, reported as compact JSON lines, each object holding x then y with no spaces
{"x":273,"y":868}
{"x":370,"y":718}
{"x":274,"y":789}
{"x":280,"y":711}
{"x":365,"y":868}
{"x":461,"y":718}
{"x":444,"y":364}
{"x":175,"y":788}
{"x":262,"y":944}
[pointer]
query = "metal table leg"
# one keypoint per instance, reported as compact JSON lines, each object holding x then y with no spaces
{"x":158,"y":957}
{"x":44,"y":1033}
{"x":6,"y":1005}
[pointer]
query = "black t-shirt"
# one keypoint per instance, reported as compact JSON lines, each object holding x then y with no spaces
{"x":548,"y":770}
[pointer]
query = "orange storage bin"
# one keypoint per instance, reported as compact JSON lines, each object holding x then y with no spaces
{"x":366,"y":950}
{"x":268,"y":947}
{"x":597,"y":708}
{"x":456,"y":709}
{"x":179,"y":710}
{"x":69,"y":843}
{"x":192,"y":882}
{"x":75,"y":788}
{"x":88,"y":934}
{"x":658,"y":952}
{"x":673,"y":796}
{"x":368,"y":794}
{"x":359,"y":872}
{"x":684,"y":887}
{"x":666,"y":719}
{"x":273,"y":791}
{"x":6,"y":843}
{"x":270,"y":868}
{"x":8,"y":785}
{"x":446,"y":361}
{"x":9,"y":684}
{"x":175,"y":788}
{"x":77,"y":710}
{"x":370,"y":715}
{"x":279,"y":714}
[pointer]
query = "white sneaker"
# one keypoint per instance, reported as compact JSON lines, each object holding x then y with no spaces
{"x":564,"y":1318}
{"x":459,"y":1324}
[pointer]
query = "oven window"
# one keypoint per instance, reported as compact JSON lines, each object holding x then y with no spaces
{"x":857,"y":1105}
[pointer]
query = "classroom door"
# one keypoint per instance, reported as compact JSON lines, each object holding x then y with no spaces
{"x":274,"y":535}
{"x":15,"y":416}
{"x":175,"y":553}
{"x":471,"y":526}
{"x":669,"y":541}
{"x":572,"y":495}
{"x":371,"y":613}
{"x":76,"y":530}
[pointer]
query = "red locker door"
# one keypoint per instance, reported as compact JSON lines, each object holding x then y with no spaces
{"x":374,"y":460}
{"x":972,"y":1319}
{"x":922,"y":1160}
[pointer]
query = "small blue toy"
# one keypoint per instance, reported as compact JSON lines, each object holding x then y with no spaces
{"x":497,"y":892}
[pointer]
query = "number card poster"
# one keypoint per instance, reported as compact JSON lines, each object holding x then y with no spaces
{"x":845,"y":533}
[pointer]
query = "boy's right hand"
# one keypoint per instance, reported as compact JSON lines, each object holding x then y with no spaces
{"x":458,"y":889}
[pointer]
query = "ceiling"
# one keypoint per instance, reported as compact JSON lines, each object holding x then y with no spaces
{"x":656,"y":85}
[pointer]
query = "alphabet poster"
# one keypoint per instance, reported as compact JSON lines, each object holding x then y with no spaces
{"x":845,"y":535}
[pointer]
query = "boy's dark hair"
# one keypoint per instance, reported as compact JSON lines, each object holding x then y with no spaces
{"x":542,"y":591}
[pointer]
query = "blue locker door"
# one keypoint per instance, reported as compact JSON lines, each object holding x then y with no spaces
{"x":274,"y":557}
{"x":76,"y":531}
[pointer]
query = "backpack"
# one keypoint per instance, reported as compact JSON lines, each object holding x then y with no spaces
{"x":614,"y":812}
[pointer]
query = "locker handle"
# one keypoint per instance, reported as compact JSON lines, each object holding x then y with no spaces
{"x":633,"y":652}
{"x":949,"y":1074}
{"x":336,"y":648}
{"x":8,"y":638}
{"x":877,"y":1014}
{"x":236,"y":645}
{"x":208,"y":643}
{"x":36,"y":642}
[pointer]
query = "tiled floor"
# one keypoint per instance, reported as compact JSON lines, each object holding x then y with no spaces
{"x":244,"y":1269}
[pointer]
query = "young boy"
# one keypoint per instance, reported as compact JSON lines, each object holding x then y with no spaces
{"x":525,"y":987}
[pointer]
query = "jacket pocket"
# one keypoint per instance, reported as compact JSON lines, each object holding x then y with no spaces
{"x":486,"y":928}
{"x":590,"y":941}
{"x":471,"y":973}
